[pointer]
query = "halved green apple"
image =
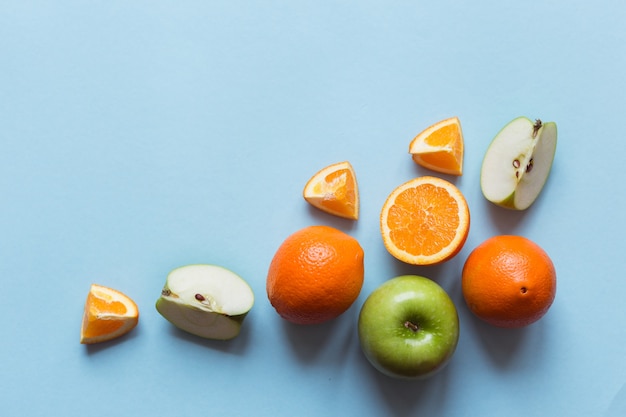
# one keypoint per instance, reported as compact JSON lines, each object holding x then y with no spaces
{"x":206,"y":300}
{"x":518,"y":162}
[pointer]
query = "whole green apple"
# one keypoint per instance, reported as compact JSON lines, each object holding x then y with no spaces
{"x":408,"y":327}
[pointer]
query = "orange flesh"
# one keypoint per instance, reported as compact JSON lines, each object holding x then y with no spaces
{"x":334,"y":190}
{"x":108,"y":314}
{"x":340,"y":200}
{"x":425,"y":221}
{"x":98,"y":325}
{"x":438,"y":159}
{"x":417,"y":230}
{"x":441,"y":137}
{"x":444,"y":151}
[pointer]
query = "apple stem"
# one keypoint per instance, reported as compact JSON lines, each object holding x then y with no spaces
{"x":536,"y":127}
{"x":411,"y":326}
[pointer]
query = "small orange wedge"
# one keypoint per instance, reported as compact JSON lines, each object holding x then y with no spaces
{"x":440,"y":147}
{"x":334,"y":190}
{"x":108,"y":314}
{"x":425,"y":221}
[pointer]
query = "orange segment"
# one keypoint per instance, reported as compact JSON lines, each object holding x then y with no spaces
{"x":334,"y":190}
{"x":440,"y":147}
{"x":425,"y":221}
{"x":108,"y":315}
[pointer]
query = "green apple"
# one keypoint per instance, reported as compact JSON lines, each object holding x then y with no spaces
{"x":408,"y":327}
{"x":205,"y":300}
{"x":518,"y":162}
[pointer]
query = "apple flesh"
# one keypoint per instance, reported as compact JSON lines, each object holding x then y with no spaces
{"x":408,"y":327}
{"x":518,"y":162}
{"x":205,"y":300}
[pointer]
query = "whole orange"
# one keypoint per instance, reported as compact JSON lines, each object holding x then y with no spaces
{"x":509,"y":281}
{"x":316,"y":275}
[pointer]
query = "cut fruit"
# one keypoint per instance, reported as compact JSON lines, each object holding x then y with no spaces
{"x":517,"y":163}
{"x":206,"y":300}
{"x":440,"y":147}
{"x":108,"y":314}
{"x":425,"y":221}
{"x":334,"y":190}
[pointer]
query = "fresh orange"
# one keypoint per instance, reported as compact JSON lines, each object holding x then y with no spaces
{"x":425,"y":221}
{"x":334,"y":190}
{"x":315,"y":275}
{"x":440,"y":147}
{"x":509,"y":281}
{"x":108,"y":315}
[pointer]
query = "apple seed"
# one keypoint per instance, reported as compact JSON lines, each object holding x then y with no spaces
{"x":208,"y":302}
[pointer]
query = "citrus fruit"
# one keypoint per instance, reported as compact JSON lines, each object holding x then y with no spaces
{"x":315,"y":275}
{"x":509,"y":281}
{"x":425,"y":221}
{"x":440,"y":147}
{"x":334,"y":190}
{"x":108,"y":315}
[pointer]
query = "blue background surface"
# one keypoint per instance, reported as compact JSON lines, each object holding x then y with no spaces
{"x":139,"y":136}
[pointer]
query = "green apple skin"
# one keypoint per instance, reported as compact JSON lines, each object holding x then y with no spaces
{"x":408,"y":327}
{"x":200,"y":323}
{"x":517,"y":163}
{"x":208,"y":301}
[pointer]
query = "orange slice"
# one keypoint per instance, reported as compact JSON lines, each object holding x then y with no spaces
{"x":425,"y":221}
{"x":108,"y":314}
{"x":440,"y":147}
{"x":334,"y":190}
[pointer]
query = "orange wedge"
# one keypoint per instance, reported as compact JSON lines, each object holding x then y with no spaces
{"x":425,"y":221}
{"x":334,"y":190}
{"x":440,"y":147}
{"x":108,"y":314}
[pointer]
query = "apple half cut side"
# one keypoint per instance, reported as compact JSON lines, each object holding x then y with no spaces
{"x":206,"y":300}
{"x":517,"y":163}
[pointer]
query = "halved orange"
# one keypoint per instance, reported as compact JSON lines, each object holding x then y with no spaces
{"x":425,"y":221}
{"x":334,"y":190}
{"x":440,"y":147}
{"x":108,"y":314}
